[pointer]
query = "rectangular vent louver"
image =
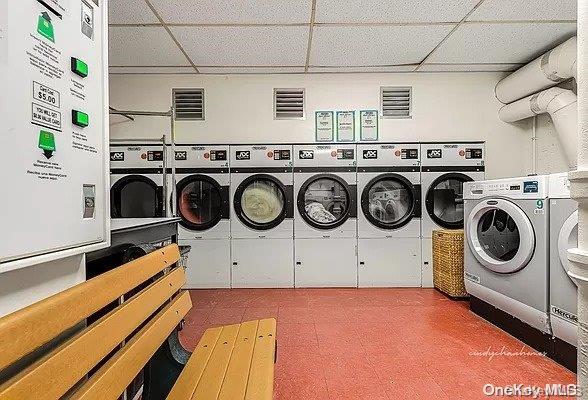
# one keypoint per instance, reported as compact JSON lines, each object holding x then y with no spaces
{"x":396,"y":101}
{"x":189,"y":104}
{"x":289,"y":103}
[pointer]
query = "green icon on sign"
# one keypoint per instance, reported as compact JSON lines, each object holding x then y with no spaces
{"x":47,"y":143}
{"x":539,"y":204}
{"x":45,"y":27}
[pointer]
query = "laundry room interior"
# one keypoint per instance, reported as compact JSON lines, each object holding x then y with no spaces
{"x":315,"y":199}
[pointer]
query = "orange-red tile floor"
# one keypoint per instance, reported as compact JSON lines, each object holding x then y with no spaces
{"x":365,"y":344}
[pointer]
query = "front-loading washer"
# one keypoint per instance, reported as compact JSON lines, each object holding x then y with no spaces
{"x":325,"y":224}
{"x":563,"y":292}
{"x":262,"y":208}
{"x":136,"y":181}
{"x":389,"y":219}
{"x":506,"y":258}
{"x":202,"y":202}
{"x":445,"y":168}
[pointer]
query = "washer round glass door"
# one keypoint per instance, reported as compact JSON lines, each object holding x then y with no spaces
{"x":324,"y":201}
{"x":567,"y":239}
{"x":444,"y":200}
{"x":388,"y":201}
{"x":500,"y":235}
{"x":135,"y":196}
{"x":199,"y":202}
{"x":260,"y":202}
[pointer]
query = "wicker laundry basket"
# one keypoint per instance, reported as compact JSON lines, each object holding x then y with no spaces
{"x":448,"y":262}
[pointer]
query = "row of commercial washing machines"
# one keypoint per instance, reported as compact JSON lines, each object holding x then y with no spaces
{"x":304,"y":215}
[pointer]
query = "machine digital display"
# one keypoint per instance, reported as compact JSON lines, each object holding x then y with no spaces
{"x":281,"y":154}
{"x":473,"y":154}
{"x":409,"y":154}
{"x":345,"y":154}
{"x":434,"y":153}
{"x":220,"y":155}
{"x":155,"y":155}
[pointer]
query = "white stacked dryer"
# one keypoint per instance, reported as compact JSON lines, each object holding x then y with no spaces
{"x":325,"y":226}
{"x":262,"y":216}
{"x":445,"y":168}
{"x":202,"y":203}
{"x":563,"y":292}
{"x":389,"y":223}
{"x":136,"y":181}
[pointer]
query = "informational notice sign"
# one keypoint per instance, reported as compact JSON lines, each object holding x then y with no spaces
{"x":324,"y":126}
{"x":368,"y":128}
{"x":345,"y":126}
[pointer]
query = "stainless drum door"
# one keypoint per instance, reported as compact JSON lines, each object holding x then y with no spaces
{"x":500,"y":235}
{"x":326,"y":201}
{"x":136,"y":196}
{"x":444,"y":200}
{"x":201,"y":202}
{"x":390,"y":201}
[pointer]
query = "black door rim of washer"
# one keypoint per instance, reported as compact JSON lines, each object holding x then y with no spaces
{"x":301,"y":203}
{"x":239,"y":207}
{"x":182,"y":184}
{"x":429,"y":201}
{"x":116,"y":198}
{"x":414,"y":201}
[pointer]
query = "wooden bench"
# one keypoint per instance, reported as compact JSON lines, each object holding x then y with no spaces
{"x":48,"y":352}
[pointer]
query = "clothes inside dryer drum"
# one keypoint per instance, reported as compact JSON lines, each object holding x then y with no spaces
{"x":138,"y":200}
{"x":326,"y":201}
{"x":448,"y":200}
{"x":499,"y":235}
{"x":389,"y":201}
{"x":199,"y":202}
{"x":262,"y":201}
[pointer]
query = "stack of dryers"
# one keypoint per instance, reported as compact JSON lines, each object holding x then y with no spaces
{"x":262,"y":216}
{"x":389,"y":224}
{"x":202,"y":203}
{"x":507,"y":255}
{"x":136,"y":178}
{"x":563,"y":295}
{"x":445,"y":168}
{"x":326,"y":215}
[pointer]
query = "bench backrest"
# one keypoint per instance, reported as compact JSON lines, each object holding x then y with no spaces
{"x":114,"y":348}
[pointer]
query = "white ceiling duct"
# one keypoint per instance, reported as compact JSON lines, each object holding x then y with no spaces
{"x":561,"y":105}
{"x":553,"y":67}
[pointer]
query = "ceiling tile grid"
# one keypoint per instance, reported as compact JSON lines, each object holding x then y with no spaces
{"x":251,"y":70}
{"x":244,"y":45}
{"x":387,"y":68}
{"x":468,"y":67}
{"x":130,"y":12}
{"x":509,"y":10}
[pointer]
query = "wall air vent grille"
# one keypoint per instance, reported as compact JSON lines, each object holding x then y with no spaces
{"x":188,"y":104}
{"x":396,"y":102}
{"x":289,"y":103}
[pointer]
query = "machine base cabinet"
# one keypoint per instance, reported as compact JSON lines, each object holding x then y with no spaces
{"x":326,"y":262}
{"x":209,"y":263}
{"x":427,"y":266}
{"x":262,"y":263}
{"x":389,"y":262}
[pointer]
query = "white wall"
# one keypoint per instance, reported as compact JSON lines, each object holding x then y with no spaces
{"x":238,"y":108}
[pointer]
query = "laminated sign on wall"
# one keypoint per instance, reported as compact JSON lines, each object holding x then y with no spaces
{"x":368,"y":128}
{"x":345,"y":126}
{"x":324,"y":126}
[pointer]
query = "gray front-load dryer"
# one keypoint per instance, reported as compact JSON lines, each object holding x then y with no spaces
{"x":507,"y":255}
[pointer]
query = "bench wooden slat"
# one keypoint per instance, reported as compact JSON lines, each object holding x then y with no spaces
{"x":261,"y":377}
{"x":117,"y":373}
{"x":235,"y":383}
{"x":37,"y":324}
{"x":212,"y":379}
{"x":77,"y":356}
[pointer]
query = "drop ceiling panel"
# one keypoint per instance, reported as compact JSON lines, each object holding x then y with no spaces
{"x":392,"y":10}
{"x":244,"y":45}
{"x":130,"y":12}
{"x":474,"y":43}
{"x":503,"y":10}
{"x":468,"y":67}
{"x":152,"y":70}
{"x":374,"y":45}
{"x":390,"y":68}
{"x":251,"y":70}
{"x":143,"y":46}
{"x":230,"y":11}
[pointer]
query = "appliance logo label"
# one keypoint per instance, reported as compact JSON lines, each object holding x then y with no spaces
{"x":181,"y":155}
{"x":117,"y":156}
{"x":531,"y":187}
{"x":243,"y":155}
{"x":471,"y":277}
{"x":306,"y":154}
{"x":434,"y":153}
{"x":370,"y":154}
{"x":564,"y":314}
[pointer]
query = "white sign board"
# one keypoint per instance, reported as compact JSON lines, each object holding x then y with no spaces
{"x":345,"y":126}
{"x":368,"y":128}
{"x":324,"y":126}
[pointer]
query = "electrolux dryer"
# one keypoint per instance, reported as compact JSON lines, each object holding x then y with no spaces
{"x":445,"y":168}
{"x":202,"y":203}
{"x":506,"y":259}
{"x":389,"y":223}
{"x":136,"y":181}
{"x":262,"y":216}
{"x":325,"y":225}
{"x":563,"y":293}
